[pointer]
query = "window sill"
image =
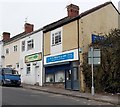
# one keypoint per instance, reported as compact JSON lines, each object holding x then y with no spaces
{"x":56,"y":44}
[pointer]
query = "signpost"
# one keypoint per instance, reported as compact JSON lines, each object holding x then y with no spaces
{"x":93,"y":59}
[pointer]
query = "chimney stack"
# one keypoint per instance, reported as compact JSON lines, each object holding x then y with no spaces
{"x":6,"y":36}
{"x":28,"y":27}
{"x":73,"y":10}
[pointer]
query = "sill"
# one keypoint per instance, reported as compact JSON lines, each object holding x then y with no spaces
{"x":55,"y":82}
{"x":56,"y":44}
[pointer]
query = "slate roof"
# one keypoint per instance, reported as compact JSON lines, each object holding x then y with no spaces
{"x":21,"y":35}
{"x":66,"y":20}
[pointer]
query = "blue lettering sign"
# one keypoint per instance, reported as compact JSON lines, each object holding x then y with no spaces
{"x":97,"y":38}
{"x":61,"y":57}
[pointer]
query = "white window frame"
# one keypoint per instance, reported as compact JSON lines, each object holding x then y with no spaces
{"x":15,"y":48}
{"x":23,"y":46}
{"x":56,"y":38}
{"x":7,"y":51}
{"x":28,"y":69}
{"x":17,"y":65}
{"x":30,"y":44}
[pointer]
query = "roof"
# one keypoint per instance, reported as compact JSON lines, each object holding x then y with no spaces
{"x":66,"y":20}
{"x":21,"y":35}
{"x":59,"y":23}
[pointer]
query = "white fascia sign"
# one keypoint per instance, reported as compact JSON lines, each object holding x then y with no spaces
{"x":61,"y":57}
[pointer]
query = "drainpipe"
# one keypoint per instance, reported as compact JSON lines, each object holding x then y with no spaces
{"x":43,"y":69}
{"x":78,"y":54}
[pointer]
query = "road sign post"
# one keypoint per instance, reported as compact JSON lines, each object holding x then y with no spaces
{"x":93,"y":58}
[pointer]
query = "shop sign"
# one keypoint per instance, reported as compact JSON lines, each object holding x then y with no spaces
{"x":33,"y":57}
{"x":61,"y":57}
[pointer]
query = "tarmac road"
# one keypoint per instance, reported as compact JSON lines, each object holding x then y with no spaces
{"x":21,"y":96}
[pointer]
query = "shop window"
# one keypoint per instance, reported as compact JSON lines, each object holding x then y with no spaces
{"x":28,"y":69}
{"x":60,"y":76}
{"x":49,"y":77}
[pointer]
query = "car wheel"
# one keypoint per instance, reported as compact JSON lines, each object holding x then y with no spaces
{"x":2,"y":83}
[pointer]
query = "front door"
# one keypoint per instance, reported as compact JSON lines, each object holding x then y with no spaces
{"x":68,"y":79}
{"x":75,"y":79}
{"x":37,"y":76}
{"x":71,"y":79}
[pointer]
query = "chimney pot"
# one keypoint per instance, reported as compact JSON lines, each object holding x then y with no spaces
{"x":28,"y":27}
{"x":73,"y":10}
{"x":6,"y":36}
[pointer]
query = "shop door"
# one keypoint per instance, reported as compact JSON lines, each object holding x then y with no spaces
{"x":68,"y":79}
{"x":75,"y":79}
{"x":71,"y":79}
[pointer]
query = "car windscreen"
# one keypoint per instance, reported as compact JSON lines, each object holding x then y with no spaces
{"x":10,"y":71}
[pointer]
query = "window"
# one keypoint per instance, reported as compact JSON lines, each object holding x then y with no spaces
{"x":49,"y":78}
{"x":57,"y":77}
{"x":15,"y":48}
{"x":56,"y":38}
{"x":60,"y":76}
{"x":30,"y":44}
{"x":28,"y":69}
{"x":7,"y":51}
{"x":9,"y":66}
{"x":23,"y":46}
{"x":17,"y":65}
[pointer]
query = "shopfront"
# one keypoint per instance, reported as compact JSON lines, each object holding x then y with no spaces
{"x":32,"y":69}
{"x":62,"y":68}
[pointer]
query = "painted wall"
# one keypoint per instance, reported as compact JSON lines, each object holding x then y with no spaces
{"x":13,"y":57}
{"x":70,"y":37}
{"x":47,"y":43}
{"x":99,"y":22}
{"x":31,"y":78}
{"x":1,"y":54}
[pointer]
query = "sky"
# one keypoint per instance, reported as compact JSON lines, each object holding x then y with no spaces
{"x":14,"y":13}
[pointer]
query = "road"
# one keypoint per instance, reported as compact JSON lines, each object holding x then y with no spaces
{"x":21,"y":96}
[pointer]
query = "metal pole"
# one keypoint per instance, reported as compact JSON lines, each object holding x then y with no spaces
{"x":92,"y":66}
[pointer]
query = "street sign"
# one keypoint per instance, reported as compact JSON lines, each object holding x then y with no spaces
{"x":94,"y":56}
{"x":95,"y":61}
{"x":97,"y":38}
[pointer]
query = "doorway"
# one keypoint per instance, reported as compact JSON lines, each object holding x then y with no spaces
{"x":37,"y":76}
{"x":72,"y":79}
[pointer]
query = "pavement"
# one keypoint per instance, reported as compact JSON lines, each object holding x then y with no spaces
{"x":108,"y":98}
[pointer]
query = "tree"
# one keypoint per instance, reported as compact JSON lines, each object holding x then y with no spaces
{"x":107,"y":75}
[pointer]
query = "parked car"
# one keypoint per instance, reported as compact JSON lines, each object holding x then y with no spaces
{"x":9,"y":76}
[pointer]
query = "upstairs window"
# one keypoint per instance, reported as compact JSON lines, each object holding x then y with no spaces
{"x":7,"y":51}
{"x":15,"y":48}
{"x":30,"y":44}
{"x":23,"y":46}
{"x":56,"y":38}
